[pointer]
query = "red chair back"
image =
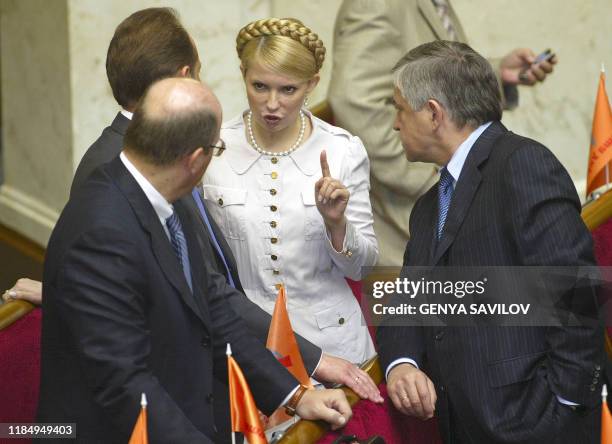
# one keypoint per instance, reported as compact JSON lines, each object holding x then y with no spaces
{"x":20,"y":371}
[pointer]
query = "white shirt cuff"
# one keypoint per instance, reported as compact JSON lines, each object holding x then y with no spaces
{"x":398,"y":362}
{"x":565,"y":401}
{"x":316,"y":366}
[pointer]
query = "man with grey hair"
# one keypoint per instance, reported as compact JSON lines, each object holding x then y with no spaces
{"x":501,"y":200}
{"x":131,"y":305}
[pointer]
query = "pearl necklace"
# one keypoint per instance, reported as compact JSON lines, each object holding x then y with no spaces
{"x":271,"y":153}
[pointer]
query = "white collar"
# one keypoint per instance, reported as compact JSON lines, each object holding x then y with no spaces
{"x":127,"y":114}
{"x":455,"y":165}
{"x":162,"y":208}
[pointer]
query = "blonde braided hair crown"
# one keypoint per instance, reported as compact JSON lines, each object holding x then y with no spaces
{"x":287,"y":27}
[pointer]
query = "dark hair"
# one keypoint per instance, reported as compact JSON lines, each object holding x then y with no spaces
{"x":456,"y":76}
{"x":164,"y":140}
{"x":149,"y":45}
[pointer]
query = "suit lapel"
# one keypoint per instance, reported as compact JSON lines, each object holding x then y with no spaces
{"x":456,"y":24}
{"x":120,"y":124}
{"x":466,"y":187}
{"x":160,"y":244}
{"x":225,"y":248}
{"x":428,"y":10}
{"x":199,"y":280}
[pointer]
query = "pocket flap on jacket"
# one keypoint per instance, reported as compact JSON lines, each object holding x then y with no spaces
{"x":513,"y":370}
{"x":335,"y":316}
{"x":308,"y":195}
{"x":225,"y":196}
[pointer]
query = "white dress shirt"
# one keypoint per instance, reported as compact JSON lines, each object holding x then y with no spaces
{"x":162,"y":207}
{"x":265,"y":206}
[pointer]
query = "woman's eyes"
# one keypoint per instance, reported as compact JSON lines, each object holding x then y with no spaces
{"x":258,"y":86}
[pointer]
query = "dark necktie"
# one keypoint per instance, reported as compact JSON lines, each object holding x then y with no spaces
{"x":445,"y":193}
{"x":179,"y":244}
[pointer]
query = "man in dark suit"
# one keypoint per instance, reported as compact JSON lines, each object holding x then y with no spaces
{"x":502,"y":200}
{"x":129,"y":305}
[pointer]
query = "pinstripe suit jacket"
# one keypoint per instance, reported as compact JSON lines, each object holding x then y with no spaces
{"x":513,"y":205}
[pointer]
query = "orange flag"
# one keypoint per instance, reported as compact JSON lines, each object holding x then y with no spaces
{"x":245,"y":416}
{"x":606,"y":419}
{"x":601,"y":140}
{"x":283,"y":345}
{"x":139,"y":434}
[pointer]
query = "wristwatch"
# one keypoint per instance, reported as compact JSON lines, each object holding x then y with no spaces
{"x":291,"y":405}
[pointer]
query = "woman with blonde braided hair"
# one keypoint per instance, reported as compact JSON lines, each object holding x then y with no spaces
{"x":291,"y":194}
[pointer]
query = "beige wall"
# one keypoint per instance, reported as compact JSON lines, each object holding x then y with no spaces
{"x":36,"y":129}
{"x":559,"y":112}
{"x":56,"y":100}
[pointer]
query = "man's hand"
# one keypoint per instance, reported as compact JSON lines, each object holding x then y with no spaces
{"x":329,"y":405}
{"x":518,"y":68}
{"x":340,"y":371}
{"x":26,"y":289}
{"x":411,"y":391}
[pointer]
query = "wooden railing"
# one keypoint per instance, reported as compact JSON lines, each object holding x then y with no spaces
{"x":311,"y":431}
{"x":598,"y":211}
{"x":13,"y":310}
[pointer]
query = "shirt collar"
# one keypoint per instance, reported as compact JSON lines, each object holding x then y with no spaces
{"x":127,"y":114}
{"x":455,"y":165}
{"x":161,"y":206}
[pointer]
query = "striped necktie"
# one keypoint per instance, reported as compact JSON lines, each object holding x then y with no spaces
{"x":442,"y":8}
{"x":445,"y":193}
{"x":179,"y":244}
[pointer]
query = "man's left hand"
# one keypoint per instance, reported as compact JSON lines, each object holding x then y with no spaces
{"x":518,"y":68}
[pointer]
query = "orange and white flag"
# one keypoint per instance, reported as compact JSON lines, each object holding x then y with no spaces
{"x":139,"y":434}
{"x":283,"y":345}
{"x":244,"y":413}
{"x":600,"y":154}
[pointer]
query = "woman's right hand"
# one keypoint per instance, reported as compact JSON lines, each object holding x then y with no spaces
{"x":25,"y":289}
{"x":340,"y":371}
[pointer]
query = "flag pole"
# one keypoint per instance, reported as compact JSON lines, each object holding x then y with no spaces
{"x":607,"y":169}
{"x":228,"y":352}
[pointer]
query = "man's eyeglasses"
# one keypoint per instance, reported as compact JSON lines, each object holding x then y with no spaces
{"x":218,"y":148}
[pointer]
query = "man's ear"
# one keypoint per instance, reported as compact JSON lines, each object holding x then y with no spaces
{"x":197,"y":161}
{"x":185,"y":71}
{"x":437,"y":113}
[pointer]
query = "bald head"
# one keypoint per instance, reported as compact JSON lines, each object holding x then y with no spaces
{"x":176,"y":96}
{"x":175,"y":117}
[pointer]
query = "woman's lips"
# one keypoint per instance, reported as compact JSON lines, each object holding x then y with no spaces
{"x":271,"y":120}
